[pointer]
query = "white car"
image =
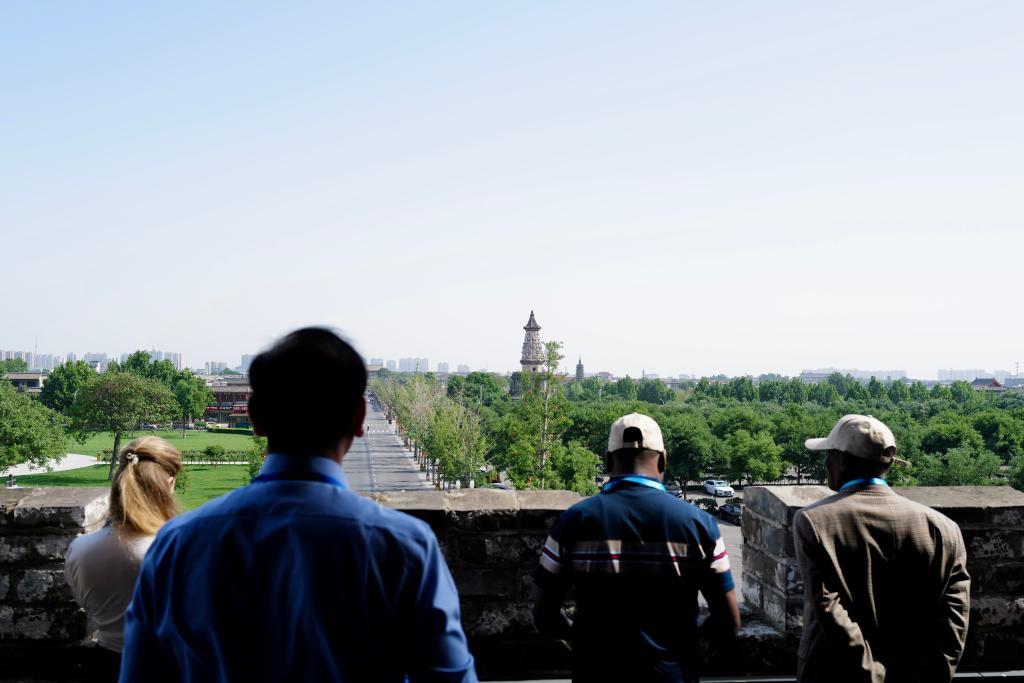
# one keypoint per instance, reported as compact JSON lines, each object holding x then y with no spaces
{"x":718,"y":487}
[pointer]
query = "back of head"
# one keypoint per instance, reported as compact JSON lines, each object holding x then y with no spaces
{"x":306,"y":390}
{"x":141,"y":497}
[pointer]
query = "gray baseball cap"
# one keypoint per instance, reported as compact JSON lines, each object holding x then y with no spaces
{"x":650,"y":434}
{"x":861,"y":435}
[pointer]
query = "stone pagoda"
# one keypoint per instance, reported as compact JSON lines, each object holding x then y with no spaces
{"x":579,"y":370}
{"x":533,"y":350}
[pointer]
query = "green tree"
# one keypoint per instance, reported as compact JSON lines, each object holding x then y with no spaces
{"x":654,"y":391}
{"x":117,"y":402}
{"x":455,"y":437}
{"x":13,"y":365}
{"x":64,"y":383}
{"x":796,"y":391}
{"x":691,"y":447}
{"x":918,"y":391}
{"x":192,"y":396}
{"x":950,"y":431}
{"x":960,"y":466}
{"x":961,"y":392}
{"x":942,"y":393}
{"x":742,"y":389}
{"x":29,"y":431}
{"x":754,"y":457}
{"x":876,"y":389}
{"x":773,"y":390}
{"x":625,"y":388}
{"x":898,"y":392}
{"x":824,"y":394}
{"x":855,"y":391}
{"x":576,"y":468}
{"x":1002,"y":433}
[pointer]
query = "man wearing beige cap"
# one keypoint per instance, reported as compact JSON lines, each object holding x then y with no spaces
{"x":886,"y":590}
{"x":637,"y":557}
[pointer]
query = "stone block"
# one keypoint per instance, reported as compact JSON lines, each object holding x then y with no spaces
{"x":1002,"y":612}
{"x":994,"y":577}
{"x":513,"y":550}
{"x":42,"y":585}
{"x":5,"y":586}
{"x":994,"y":544}
{"x":779,"y":503}
{"x":492,"y":619}
{"x":760,"y":532}
{"x":72,"y":508}
{"x":751,"y":589}
{"x":781,"y":573}
{"x":35,"y":622}
{"x":491,"y":583}
{"x":968,"y":504}
{"x":472,"y":549}
{"x":34,"y":548}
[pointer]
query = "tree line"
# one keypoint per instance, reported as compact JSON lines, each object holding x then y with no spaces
{"x":553,"y":435}
{"x":76,"y":400}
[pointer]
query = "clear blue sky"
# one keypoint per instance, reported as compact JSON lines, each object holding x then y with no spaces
{"x":681,"y":187}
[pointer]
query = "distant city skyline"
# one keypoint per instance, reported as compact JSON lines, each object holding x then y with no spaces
{"x":412,"y":364}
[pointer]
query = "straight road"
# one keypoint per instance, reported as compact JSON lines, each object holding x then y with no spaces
{"x":377,"y":461}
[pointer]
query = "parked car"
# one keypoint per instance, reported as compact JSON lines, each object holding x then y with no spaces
{"x":731,"y":512}
{"x":718,"y":487}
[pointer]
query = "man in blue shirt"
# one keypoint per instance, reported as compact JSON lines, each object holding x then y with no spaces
{"x":294,"y":577}
{"x":637,"y":557}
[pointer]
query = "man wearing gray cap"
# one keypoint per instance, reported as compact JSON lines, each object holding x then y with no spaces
{"x":886,"y":590}
{"x":637,"y":557}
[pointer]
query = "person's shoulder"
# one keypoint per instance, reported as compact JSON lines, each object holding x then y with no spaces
{"x":88,"y":545}
{"x":917,"y":513}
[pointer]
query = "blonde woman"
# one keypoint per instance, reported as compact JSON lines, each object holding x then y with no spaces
{"x":102,"y":567}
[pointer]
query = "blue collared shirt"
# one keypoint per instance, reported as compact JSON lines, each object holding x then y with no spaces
{"x":293,"y":579}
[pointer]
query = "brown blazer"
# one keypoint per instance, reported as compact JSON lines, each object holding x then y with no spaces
{"x":886,"y":590}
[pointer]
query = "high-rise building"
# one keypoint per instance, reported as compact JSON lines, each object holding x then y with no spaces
{"x":376,"y":361}
{"x":966,"y":375}
{"x":392,"y":366}
{"x":99,"y":361}
{"x":533,"y":350}
{"x":462,"y":369}
{"x":246,"y":361}
{"x":442,"y":368}
{"x":72,"y":357}
{"x":579,"y":370}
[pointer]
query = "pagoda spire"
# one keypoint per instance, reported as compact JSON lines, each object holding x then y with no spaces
{"x":533,"y":349}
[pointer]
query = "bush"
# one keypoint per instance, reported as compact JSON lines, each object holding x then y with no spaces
{"x":181,"y":481}
{"x":735,"y":500}
{"x":708,"y":505}
{"x":214,"y":452}
{"x":229,"y":430}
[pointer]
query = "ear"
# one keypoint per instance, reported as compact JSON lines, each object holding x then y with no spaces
{"x":661,"y":463}
{"x":608,"y":461}
{"x":359,"y":419}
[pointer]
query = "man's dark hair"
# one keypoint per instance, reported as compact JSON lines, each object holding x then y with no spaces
{"x":306,"y":390}
{"x":858,"y":468}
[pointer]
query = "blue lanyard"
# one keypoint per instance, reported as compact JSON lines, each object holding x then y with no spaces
{"x":298,"y":476}
{"x":873,"y":480}
{"x":643,"y":481}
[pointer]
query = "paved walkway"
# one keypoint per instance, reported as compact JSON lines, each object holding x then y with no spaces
{"x":378,"y":462}
{"x":71,"y":461}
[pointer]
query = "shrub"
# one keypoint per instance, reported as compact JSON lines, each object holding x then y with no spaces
{"x":229,"y":430}
{"x":181,"y":481}
{"x":708,"y":505}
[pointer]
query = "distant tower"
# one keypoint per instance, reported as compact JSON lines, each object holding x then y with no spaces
{"x":579,"y":370}
{"x":533,"y":350}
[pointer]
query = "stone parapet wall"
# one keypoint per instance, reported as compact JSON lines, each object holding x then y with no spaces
{"x":491,"y":540}
{"x":992,"y":522}
{"x":39,"y":620}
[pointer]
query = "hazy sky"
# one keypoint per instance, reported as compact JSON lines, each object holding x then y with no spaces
{"x":677,"y":186}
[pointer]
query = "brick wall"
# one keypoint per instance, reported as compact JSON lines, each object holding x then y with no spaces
{"x":992,"y":522}
{"x":491,"y":540}
{"x":40,"y":624}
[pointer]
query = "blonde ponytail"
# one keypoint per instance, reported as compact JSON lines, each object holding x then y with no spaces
{"x":141,"y":500}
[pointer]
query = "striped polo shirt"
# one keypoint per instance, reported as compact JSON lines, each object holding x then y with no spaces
{"x":637,"y":558}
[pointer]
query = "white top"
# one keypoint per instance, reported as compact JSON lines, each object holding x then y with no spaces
{"x":101,"y":569}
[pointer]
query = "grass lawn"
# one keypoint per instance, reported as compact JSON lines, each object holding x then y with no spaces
{"x":193,"y":441}
{"x":205,"y":481}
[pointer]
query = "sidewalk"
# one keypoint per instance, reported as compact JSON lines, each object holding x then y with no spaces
{"x":71,"y":461}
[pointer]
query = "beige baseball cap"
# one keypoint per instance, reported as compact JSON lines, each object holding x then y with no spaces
{"x":861,"y":435}
{"x":649,"y":433}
